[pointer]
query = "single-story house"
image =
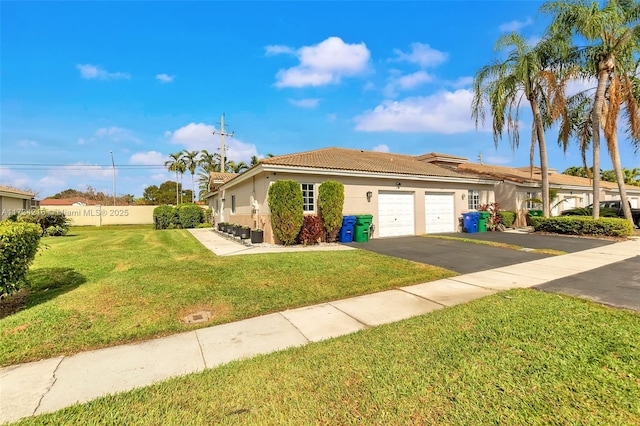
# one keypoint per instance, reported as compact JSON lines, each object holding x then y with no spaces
{"x":74,"y":201}
{"x":407,"y":195}
{"x":14,"y":201}
{"x":517,"y":186}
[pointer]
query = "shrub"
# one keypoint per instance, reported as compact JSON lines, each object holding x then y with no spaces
{"x":18,"y":247}
{"x":189,"y":215}
{"x":208,"y":215}
{"x":508,"y":218}
{"x":330,"y":204}
{"x":56,"y":231}
{"x":164,"y":217}
{"x":203,"y":225}
{"x":286,"y":206}
{"x":583,"y":225}
{"x":45,"y":219}
{"x":311,"y":231}
{"x":494,"y":215}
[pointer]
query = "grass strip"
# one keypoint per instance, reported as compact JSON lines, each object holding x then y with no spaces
{"x":518,"y":357}
{"x":105,"y":286}
{"x":496,"y":244}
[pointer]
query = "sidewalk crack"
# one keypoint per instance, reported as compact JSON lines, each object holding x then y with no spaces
{"x":204,"y":361}
{"x":55,"y":379}
{"x":294,"y":326}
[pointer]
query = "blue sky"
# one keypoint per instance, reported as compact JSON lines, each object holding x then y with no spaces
{"x":145,"y":79}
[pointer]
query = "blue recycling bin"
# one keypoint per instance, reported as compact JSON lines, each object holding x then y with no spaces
{"x":470,"y":222}
{"x":346,"y":232}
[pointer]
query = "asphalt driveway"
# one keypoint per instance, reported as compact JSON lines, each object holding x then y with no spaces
{"x":465,"y":258}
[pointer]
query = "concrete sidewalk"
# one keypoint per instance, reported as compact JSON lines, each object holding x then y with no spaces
{"x":51,"y":384}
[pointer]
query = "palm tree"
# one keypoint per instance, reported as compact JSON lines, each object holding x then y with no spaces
{"x":181,"y":168}
{"x":614,"y":34}
{"x":254,"y":160}
{"x":191,"y":162}
{"x":203,"y":184}
{"x":233,"y":167}
{"x":525,"y":74}
{"x":174,"y":165}
{"x":209,"y":162}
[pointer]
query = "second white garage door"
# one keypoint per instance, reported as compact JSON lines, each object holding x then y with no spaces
{"x":395,"y":210}
{"x":439,"y":213}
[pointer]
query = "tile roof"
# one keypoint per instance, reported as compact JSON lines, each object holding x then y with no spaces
{"x":363,"y":161}
{"x":218,"y":177}
{"x":524,"y":175}
{"x":64,"y":201}
{"x":11,"y":190}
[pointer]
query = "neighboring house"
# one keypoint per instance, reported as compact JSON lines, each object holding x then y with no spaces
{"x":14,"y":201}
{"x":407,"y":195}
{"x":75,"y":201}
{"x":517,"y":186}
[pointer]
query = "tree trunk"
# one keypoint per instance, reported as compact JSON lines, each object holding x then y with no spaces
{"x":177,"y":197}
{"x":603,"y":75}
{"x":617,"y":167}
{"x":544,"y":166}
{"x":193,"y":190}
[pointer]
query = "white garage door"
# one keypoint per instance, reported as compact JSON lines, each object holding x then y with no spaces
{"x":395,"y":210}
{"x":439,"y":213}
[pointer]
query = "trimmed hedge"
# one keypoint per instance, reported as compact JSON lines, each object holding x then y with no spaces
{"x":507,"y":218}
{"x":582,"y":225}
{"x":189,"y":215}
{"x":46,"y":219}
{"x":330,"y":204}
{"x":18,"y":247}
{"x":287,"y":209}
{"x":164,"y":217}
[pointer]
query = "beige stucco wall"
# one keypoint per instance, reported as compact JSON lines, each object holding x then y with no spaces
{"x":356,"y":188}
{"x":11,"y":205}
{"x":106,"y":215}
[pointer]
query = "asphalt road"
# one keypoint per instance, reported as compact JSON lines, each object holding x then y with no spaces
{"x":617,"y":284}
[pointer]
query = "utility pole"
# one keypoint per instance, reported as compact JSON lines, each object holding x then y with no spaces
{"x":222,"y":134}
{"x":113,"y":164}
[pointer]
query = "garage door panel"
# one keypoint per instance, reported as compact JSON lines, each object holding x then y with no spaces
{"x":439,"y":212}
{"x":395,"y":214}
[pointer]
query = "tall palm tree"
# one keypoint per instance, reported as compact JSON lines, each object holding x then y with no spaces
{"x":525,"y":74}
{"x":181,"y":168}
{"x":209,"y":162}
{"x":191,"y":162}
{"x":173,"y":164}
{"x":613,"y":32}
{"x":203,"y":184}
{"x":233,"y":167}
{"x":254,"y":160}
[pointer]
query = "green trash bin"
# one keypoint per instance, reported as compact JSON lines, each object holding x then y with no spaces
{"x":482,"y":222}
{"x":536,"y":213}
{"x":363,"y":223}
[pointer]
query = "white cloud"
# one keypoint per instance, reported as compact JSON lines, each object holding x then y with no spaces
{"x":165,"y":78}
{"x":27,"y":143}
{"x":586,"y":86}
{"x":407,"y":82}
{"x":444,"y":112}
{"x":113,"y":133}
{"x":331,"y":117}
{"x":94,"y":72}
{"x":305,"y":103}
{"x":150,"y":158}
{"x":160,"y":177}
{"x":381,"y":148}
{"x":198,"y":136}
{"x":278,"y":49}
{"x":324,"y":63}
{"x":421,"y":54}
{"x":14,"y":178}
{"x":509,"y":27}
{"x":462,"y":82}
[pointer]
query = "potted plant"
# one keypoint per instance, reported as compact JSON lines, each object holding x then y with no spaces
{"x":228,"y":228}
{"x":245,"y":232}
{"x":257,"y":236}
{"x":236,"y":229}
{"x":221,"y":226}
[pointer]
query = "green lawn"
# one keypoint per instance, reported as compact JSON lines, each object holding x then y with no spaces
{"x":521,"y":357}
{"x":104,"y":286}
